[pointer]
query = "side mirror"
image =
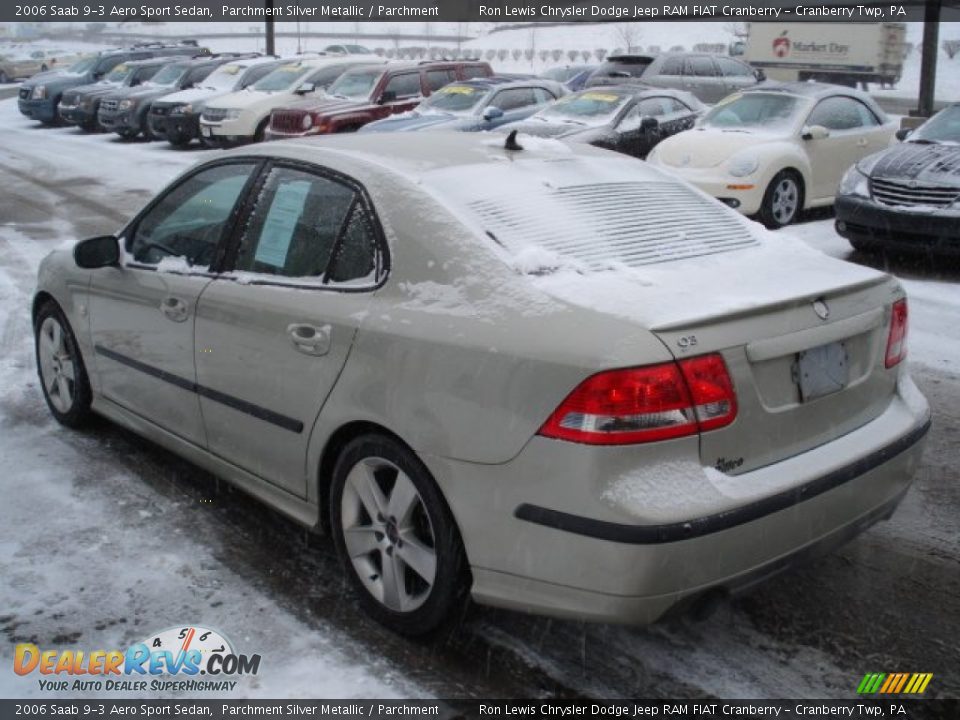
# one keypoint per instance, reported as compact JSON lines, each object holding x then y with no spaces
{"x":815,"y":132}
{"x":305,"y":88}
{"x":97,"y":252}
{"x":492,"y":113}
{"x":903,"y":133}
{"x":388,"y":96}
{"x":760,"y":75}
{"x":649,"y":124}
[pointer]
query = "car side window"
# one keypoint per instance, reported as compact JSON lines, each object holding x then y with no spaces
{"x":648,"y":107}
{"x":324,"y":77}
{"x":837,"y":113}
{"x":732,"y":68}
{"x":256,"y":72}
{"x":543,"y":95}
{"x":190,"y":220}
{"x":295,"y":224}
{"x":404,"y":86}
{"x":672,"y":66}
{"x":700,"y":67}
{"x":197,"y":75}
{"x":514,"y":98}
{"x":355,"y":255}
{"x":867,"y":117}
{"x":436,"y":79}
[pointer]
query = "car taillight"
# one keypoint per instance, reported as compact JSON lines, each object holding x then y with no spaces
{"x":897,"y":340}
{"x":644,"y":404}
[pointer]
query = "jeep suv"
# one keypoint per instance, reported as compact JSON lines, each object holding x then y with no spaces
{"x":125,"y":111}
{"x":40,"y":96}
{"x":709,"y":77}
{"x":79,"y":105}
{"x":242,"y":116}
{"x":363,"y":95}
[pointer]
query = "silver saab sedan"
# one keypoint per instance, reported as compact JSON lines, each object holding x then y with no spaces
{"x":549,"y":377}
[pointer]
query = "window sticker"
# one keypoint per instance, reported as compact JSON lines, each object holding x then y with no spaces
{"x":282,"y":218}
{"x":457,"y":90}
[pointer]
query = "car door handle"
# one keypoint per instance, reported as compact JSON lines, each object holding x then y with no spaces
{"x":862,"y":142}
{"x":310,"y":339}
{"x":174,"y":308}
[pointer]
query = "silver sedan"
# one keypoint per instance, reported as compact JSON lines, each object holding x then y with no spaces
{"x":548,"y":377}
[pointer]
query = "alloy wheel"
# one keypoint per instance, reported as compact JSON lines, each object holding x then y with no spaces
{"x":388,"y":535}
{"x":785,"y":201}
{"x":57,"y":365}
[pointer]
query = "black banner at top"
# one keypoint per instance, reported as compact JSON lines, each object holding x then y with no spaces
{"x":500,"y":11}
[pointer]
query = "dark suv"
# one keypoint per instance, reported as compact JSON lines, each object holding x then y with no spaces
{"x":365,"y":94}
{"x":40,"y":96}
{"x":126,"y":111}
{"x":79,"y":105}
{"x":709,"y":77}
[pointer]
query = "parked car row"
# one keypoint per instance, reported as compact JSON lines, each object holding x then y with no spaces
{"x":770,"y":151}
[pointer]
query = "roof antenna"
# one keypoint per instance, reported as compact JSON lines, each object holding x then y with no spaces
{"x":511,"y":143}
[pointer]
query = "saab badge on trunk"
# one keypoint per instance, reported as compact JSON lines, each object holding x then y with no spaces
{"x":821,"y":308}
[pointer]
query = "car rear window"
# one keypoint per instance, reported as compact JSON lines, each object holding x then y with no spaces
{"x":624,"y":67}
{"x":590,"y":214}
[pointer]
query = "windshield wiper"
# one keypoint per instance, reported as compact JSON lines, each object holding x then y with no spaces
{"x":924,"y":141}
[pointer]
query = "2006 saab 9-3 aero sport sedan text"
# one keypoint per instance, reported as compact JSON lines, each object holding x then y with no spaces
{"x":548,"y":375}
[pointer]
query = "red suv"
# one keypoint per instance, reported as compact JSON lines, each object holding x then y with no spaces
{"x":365,"y":94}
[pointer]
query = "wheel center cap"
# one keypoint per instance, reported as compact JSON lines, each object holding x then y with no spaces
{"x":393,"y":534}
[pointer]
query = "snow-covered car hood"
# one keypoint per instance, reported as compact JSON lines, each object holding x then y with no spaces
{"x":551,"y":128}
{"x":193,"y":95}
{"x":413,"y":121}
{"x":709,"y":147}
{"x":937,"y":164}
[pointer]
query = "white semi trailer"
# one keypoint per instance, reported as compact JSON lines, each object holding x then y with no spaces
{"x":840,"y":53}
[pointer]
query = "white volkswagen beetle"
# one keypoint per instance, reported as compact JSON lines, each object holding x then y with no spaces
{"x":778,"y":150}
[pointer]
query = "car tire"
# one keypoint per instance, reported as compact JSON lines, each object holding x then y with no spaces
{"x":4,"y":79}
{"x":43,"y":68}
{"x":384,"y":500}
{"x":783,"y":200}
{"x":128,"y":133}
{"x":58,"y":358}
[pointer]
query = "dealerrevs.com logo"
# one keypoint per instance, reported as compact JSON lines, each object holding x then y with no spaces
{"x":188,"y":658}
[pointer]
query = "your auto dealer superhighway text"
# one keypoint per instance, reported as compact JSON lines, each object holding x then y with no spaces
{"x":643,"y":11}
{"x":676,"y":710}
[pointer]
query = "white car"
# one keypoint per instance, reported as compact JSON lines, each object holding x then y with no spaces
{"x":777,"y":150}
{"x":244,"y":115}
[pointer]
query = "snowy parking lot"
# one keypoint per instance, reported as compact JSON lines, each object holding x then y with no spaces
{"x":105,"y":538}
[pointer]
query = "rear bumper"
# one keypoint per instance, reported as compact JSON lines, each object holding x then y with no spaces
{"x":568,"y":546}
{"x":42,"y":110}
{"x":866,"y":220}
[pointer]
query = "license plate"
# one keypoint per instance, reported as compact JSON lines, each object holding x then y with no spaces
{"x":822,"y":370}
{"x":206,"y":132}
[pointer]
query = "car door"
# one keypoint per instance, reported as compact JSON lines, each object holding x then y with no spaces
{"x":273,"y":338}
{"x":848,"y":141}
{"x":142,"y":313}
{"x":630,"y":136}
{"x":406,"y":91}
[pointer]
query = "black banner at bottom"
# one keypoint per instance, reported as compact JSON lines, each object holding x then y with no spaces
{"x":907,"y":709}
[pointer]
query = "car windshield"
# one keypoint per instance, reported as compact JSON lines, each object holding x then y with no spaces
{"x":169,"y":74}
{"x":944,"y":127}
{"x":120,"y":73}
{"x":752,"y":110}
{"x":357,"y":50}
{"x":83,"y":65}
{"x":356,"y":84}
{"x":282,"y":78}
{"x":592,"y":107}
{"x":458,"y":99}
{"x":224,"y":77}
